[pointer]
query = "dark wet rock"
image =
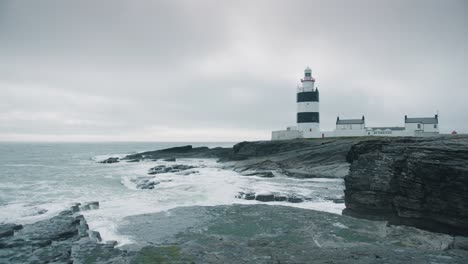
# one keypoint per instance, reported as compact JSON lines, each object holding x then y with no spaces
{"x":9,"y":229}
{"x":246,"y":196}
{"x":75,"y":207}
{"x":295,"y":199}
{"x":145,"y":183}
{"x":110,"y":160}
{"x":262,"y":165}
{"x":166,"y":169}
{"x":41,"y":211}
{"x":57,"y":240}
{"x":134,"y":160}
{"x":86,"y":251}
{"x":170,"y":159}
{"x":265,"y":197}
{"x":421,"y":182}
{"x":339,"y":200}
{"x":460,"y":242}
{"x":95,"y":236}
{"x":111,"y":243}
{"x":182,"y":149}
{"x":187,"y":172}
{"x":270,"y":197}
{"x":279,"y":234}
{"x":280,"y":198}
{"x":182,"y":152}
{"x":263,"y":174}
{"x":89,"y":206}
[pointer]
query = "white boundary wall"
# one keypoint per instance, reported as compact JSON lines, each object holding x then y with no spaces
{"x":286,"y":134}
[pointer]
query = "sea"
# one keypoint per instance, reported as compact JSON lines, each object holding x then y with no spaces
{"x":38,"y":180}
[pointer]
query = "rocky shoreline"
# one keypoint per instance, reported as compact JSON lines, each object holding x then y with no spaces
{"x":64,"y":238}
{"x":399,"y":183}
{"x":229,"y":234}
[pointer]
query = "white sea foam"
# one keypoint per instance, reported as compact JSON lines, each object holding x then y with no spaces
{"x":29,"y":213}
{"x":86,"y":180}
{"x":211,"y":186}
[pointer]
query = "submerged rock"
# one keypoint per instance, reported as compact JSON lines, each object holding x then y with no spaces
{"x":170,"y":159}
{"x":145,"y":183}
{"x":421,"y":182}
{"x":110,"y":160}
{"x":89,"y":206}
{"x":263,"y":174}
{"x":165,"y":169}
{"x":265,"y":197}
{"x":246,"y":196}
{"x":270,"y":197}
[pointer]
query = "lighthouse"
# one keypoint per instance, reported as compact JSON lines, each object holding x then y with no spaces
{"x":308,"y":120}
{"x":308,"y":114}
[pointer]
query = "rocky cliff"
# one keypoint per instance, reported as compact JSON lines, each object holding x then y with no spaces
{"x":301,"y":158}
{"x":421,"y":182}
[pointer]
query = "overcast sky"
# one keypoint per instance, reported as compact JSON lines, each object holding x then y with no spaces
{"x":224,"y":70}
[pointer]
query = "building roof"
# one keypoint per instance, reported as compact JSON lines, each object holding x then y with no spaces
{"x":422,"y":120}
{"x":350,"y":121}
{"x":388,"y":128}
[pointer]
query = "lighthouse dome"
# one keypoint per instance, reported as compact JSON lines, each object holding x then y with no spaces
{"x":308,"y":74}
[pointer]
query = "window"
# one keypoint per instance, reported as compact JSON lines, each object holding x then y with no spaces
{"x":307,"y":74}
{"x":419,"y":126}
{"x":435,"y":126}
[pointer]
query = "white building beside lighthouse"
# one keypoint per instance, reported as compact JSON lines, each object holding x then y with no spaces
{"x":308,"y":120}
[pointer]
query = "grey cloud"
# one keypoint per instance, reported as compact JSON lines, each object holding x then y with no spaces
{"x":134,"y":70}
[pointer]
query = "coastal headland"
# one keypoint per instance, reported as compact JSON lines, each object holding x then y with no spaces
{"x":406,"y":201}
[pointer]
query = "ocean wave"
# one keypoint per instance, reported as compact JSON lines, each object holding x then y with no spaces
{"x":30,"y":165}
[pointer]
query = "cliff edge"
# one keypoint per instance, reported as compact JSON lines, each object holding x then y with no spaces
{"x":421,"y":182}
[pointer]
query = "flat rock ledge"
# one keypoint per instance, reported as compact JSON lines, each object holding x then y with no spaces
{"x":280,"y":234}
{"x":229,"y":234}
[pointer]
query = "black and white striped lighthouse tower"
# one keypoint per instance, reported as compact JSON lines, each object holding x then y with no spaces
{"x":308,"y":114}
